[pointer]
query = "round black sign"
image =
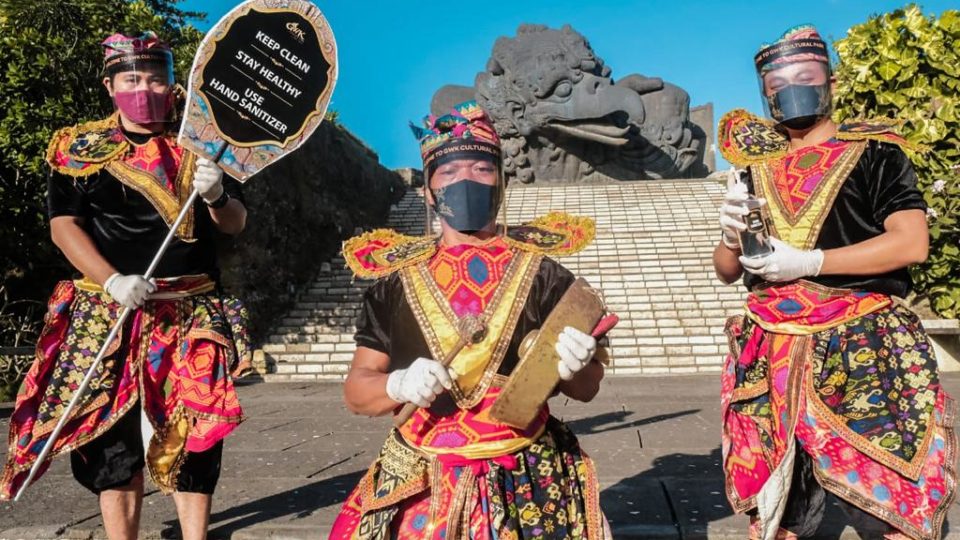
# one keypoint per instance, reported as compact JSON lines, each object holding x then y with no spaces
{"x":265,"y":77}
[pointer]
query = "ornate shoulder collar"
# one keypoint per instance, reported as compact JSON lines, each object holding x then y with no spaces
{"x":877,"y":129}
{"x":555,"y":234}
{"x":381,"y":252}
{"x":86,"y":148}
{"x":746,"y":139}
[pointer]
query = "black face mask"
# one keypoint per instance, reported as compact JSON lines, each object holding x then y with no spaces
{"x":800,"y":106}
{"x":467,"y":205}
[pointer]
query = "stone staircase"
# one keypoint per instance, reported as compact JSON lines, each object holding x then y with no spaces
{"x":314,"y":341}
{"x":651,"y":258}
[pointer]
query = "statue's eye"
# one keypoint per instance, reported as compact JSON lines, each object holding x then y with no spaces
{"x":563,"y":89}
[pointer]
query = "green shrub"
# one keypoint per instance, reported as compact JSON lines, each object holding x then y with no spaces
{"x":905,"y":65}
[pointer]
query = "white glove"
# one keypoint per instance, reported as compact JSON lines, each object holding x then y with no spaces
{"x":576,"y":349}
{"x":208,"y":180}
{"x":732,"y":211}
{"x":786,"y":263}
{"x":129,"y":291}
{"x":420,"y":383}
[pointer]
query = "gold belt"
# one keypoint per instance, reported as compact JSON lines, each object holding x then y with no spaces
{"x":170,"y":288}
{"x":480,"y":450}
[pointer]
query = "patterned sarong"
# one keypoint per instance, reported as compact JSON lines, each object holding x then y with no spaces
{"x":851,"y":378}
{"x":547,"y":490}
{"x":173,"y":355}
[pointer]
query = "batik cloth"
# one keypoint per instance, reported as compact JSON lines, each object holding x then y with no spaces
{"x":173,"y":356}
{"x":452,"y":471}
{"x":851,"y":377}
{"x":547,"y":490}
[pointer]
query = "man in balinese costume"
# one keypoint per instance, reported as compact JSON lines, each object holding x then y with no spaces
{"x":453,"y":471}
{"x":116,"y":185}
{"x":831,"y":385}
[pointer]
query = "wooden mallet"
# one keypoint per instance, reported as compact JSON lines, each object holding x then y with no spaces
{"x":472,"y":330}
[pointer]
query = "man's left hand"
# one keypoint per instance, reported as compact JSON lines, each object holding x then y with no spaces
{"x":208,"y":180}
{"x":786,"y":263}
{"x":576,"y":349}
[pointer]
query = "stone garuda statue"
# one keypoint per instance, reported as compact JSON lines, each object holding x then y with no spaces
{"x":562,"y":117}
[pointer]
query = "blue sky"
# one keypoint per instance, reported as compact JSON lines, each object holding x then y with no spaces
{"x":394,"y":54}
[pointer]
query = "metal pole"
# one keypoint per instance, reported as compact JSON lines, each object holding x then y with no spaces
{"x":103,"y":349}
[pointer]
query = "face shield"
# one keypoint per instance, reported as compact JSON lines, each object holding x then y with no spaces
{"x":465,"y":182}
{"x":142,"y":84}
{"x":794,"y":79}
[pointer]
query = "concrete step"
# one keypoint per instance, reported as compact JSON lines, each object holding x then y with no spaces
{"x":317,"y":321}
{"x":298,"y":377}
{"x":280,"y":359}
{"x":318,"y":302}
{"x":293,"y":338}
{"x":338,"y":291}
{"x":344,"y":344}
{"x":287,"y":364}
{"x":329,"y":343}
{"x":339,"y":274}
{"x":345,"y":309}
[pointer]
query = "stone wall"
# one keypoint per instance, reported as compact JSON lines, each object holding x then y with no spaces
{"x":300,"y":210}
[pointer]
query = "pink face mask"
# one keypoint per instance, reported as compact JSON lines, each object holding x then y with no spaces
{"x":144,"y":106}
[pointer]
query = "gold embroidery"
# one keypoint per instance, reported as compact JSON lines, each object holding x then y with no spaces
{"x":488,"y":449}
{"x":802,"y":230}
{"x":747,"y":139}
{"x":478,"y":363}
{"x":436,"y":486}
{"x":573,"y":234}
{"x":387,"y":250}
{"x":189,"y":285}
{"x":458,"y":512}
{"x":65,"y":137}
{"x":98,"y":134}
{"x":166,"y":453}
{"x":167,"y":204}
{"x":381,"y":252}
{"x":945,"y":431}
{"x":398,"y":473}
{"x":879,"y":129}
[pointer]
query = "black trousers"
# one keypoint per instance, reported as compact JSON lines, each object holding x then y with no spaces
{"x":114,"y":458}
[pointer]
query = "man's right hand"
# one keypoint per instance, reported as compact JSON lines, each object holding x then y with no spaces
{"x":420,"y":383}
{"x":129,"y":291}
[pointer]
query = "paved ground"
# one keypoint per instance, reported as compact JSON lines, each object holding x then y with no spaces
{"x":288,"y":468}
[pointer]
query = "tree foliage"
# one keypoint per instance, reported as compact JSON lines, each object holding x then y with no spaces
{"x":906,"y":65}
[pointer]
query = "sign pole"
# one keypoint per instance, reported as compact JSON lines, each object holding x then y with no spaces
{"x":117,"y":326}
{"x":82,"y":389}
{"x":259,"y":87}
